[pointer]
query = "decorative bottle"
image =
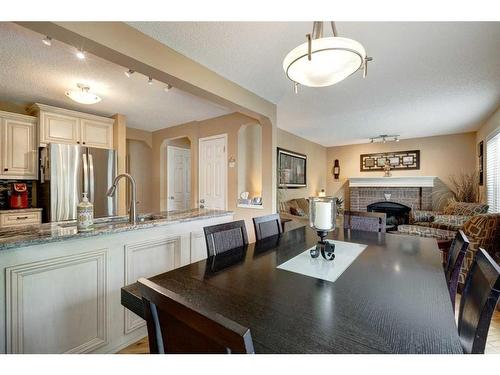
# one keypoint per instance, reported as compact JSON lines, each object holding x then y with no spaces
{"x":85,"y":214}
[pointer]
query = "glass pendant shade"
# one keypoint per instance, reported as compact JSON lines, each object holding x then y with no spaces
{"x":332,"y":60}
{"x":83,"y":95}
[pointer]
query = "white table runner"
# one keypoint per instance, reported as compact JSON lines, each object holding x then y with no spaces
{"x":320,"y":268}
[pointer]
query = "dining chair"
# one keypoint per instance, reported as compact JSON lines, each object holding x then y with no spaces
{"x":456,"y":255}
{"x":225,"y":237}
{"x":478,"y":301}
{"x":176,"y":326}
{"x":267,"y":226}
{"x":367,"y":221}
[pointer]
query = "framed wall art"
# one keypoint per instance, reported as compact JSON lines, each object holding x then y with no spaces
{"x":398,"y":160}
{"x":292,"y":169}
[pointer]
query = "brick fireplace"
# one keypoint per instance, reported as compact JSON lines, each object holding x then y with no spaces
{"x":414,"y":192}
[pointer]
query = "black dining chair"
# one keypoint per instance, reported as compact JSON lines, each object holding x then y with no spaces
{"x":267,"y":226}
{"x":478,"y":301}
{"x":367,"y":221}
{"x":456,"y":256}
{"x":176,"y":326}
{"x":225,"y":237}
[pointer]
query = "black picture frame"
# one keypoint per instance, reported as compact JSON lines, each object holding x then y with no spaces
{"x":292,"y":169}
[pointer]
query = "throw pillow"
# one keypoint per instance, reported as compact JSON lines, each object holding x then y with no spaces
{"x":297,"y":211}
{"x":422,"y":216}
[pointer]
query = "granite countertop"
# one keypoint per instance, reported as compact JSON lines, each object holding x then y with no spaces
{"x":19,"y":210}
{"x":30,"y":235}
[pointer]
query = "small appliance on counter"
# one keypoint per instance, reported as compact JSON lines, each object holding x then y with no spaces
{"x":18,"y":195}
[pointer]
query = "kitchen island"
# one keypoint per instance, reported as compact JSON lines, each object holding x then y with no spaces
{"x":60,"y":288}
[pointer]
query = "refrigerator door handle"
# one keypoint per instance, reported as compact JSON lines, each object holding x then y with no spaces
{"x":85,"y":174}
{"x":91,"y":178}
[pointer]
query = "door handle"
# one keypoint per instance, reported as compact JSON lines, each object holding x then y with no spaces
{"x":85,"y":174}
{"x":172,"y":198}
{"x":91,"y":179}
{"x":202,"y":200}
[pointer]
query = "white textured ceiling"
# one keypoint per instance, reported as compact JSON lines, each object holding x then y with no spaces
{"x":32,"y":72}
{"x":426,"y":78}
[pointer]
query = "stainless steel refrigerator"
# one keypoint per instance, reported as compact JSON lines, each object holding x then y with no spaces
{"x":66,"y":171}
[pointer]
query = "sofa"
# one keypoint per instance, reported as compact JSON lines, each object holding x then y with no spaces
{"x":295,"y":209}
{"x":482,"y":229}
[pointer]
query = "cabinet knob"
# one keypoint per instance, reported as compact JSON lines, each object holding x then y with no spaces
{"x":78,"y":142}
{"x":5,"y":169}
{"x":83,"y":142}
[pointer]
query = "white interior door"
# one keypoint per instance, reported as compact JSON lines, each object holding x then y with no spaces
{"x":213,"y":172}
{"x":179,"y":178}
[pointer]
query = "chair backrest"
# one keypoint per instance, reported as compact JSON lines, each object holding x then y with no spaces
{"x":367,"y":221}
{"x":176,"y":326}
{"x":477,"y":305}
{"x":227,"y":236}
{"x":456,"y":256}
{"x":267,"y":226}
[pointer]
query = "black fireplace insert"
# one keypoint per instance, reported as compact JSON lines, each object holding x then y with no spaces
{"x":397,"y":213}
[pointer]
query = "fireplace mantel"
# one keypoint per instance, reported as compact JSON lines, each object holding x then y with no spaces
{"x":410,"y":181}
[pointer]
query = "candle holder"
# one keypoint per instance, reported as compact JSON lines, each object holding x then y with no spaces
{"x":322,"y":215}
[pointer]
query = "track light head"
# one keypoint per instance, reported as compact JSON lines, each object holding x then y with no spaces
{"x":80,"y":54}
{"x":47,"y":41}
{"x":129,"y":72}
{"x":150,"y":81}
{"x":167,"y":88}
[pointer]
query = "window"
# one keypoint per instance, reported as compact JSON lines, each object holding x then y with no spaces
{"x":493,"y":172}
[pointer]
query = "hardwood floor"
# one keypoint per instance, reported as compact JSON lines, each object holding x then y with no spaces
{"x":492,"y":345}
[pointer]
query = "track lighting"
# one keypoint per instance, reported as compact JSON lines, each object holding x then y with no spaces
{"x":150,"y":81}
{"x":396,"y":139}
{"x":47,"y":41}
{"x":371,"y":140}
{"x":167,"y":88}
{"x":80,"y":54}
{"x":129,"y":72}
{"x":383,"y":140}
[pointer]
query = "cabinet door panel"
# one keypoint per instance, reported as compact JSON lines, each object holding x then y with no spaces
{"x":45,"y":313}
{"x":198,"y":247}
{"x":146,"y":259}
{"x":58,"y":128}
{"x":96,"y":134}
{"x":19,"y":150}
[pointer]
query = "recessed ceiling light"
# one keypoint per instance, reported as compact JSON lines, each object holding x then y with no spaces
{"x":47,"y":41}
{"x":150,"y":81}
{"x":167,"y":88}
{"x":83,"y":95}
{"x":80,"y":54}
{"x":129,"y":72}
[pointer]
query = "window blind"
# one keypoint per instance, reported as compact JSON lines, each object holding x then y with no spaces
{"x":493,"y":173}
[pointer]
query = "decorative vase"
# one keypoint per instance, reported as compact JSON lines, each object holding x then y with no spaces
{"x":322,"y":216}
{"x":85,"y":214}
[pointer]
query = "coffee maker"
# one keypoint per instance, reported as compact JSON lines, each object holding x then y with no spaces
{"x":18,"y":195}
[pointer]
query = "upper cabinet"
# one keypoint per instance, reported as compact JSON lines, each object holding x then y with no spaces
{"x":57,"y":125}
{"x":18,"y":145}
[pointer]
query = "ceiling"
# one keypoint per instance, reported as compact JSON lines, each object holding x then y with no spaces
{"x":426,"y":78}
{"x":32,"y":72}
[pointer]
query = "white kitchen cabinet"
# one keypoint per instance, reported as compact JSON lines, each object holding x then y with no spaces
{"x":96,"y":133}
{"x":20,"y":218}
{"x":198,"y":246}
{"x":59,"y":125}
{"x":18,"y":146}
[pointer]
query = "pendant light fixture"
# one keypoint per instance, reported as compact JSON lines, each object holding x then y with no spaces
{"x":324,"y":61}
{"x":83,"y":95}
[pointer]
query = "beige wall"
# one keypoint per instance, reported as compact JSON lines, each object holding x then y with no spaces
{"x":490,"y":125}
{"x":440,"y":156}
{"x":249,"y":160}
{"x":316,"y":164}
{"x":227,"y":124}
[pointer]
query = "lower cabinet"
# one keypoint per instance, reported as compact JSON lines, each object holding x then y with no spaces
{"x":65,"y":297}
{"x":149,"y":258}
{"x":57,"y":305}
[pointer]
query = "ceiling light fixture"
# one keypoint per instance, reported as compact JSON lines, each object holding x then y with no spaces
{"x":83,"y":95}
{"x":384,"y":138}
{"x":80,"y":54}
{"x":150,"y":81}
{"x":47,"y":41}
{"x":167,"y":88}
{"x":129,"y":72}
{"x":324,"y":61}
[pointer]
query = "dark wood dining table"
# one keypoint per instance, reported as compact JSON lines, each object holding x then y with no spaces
{"x":392,"y":299}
